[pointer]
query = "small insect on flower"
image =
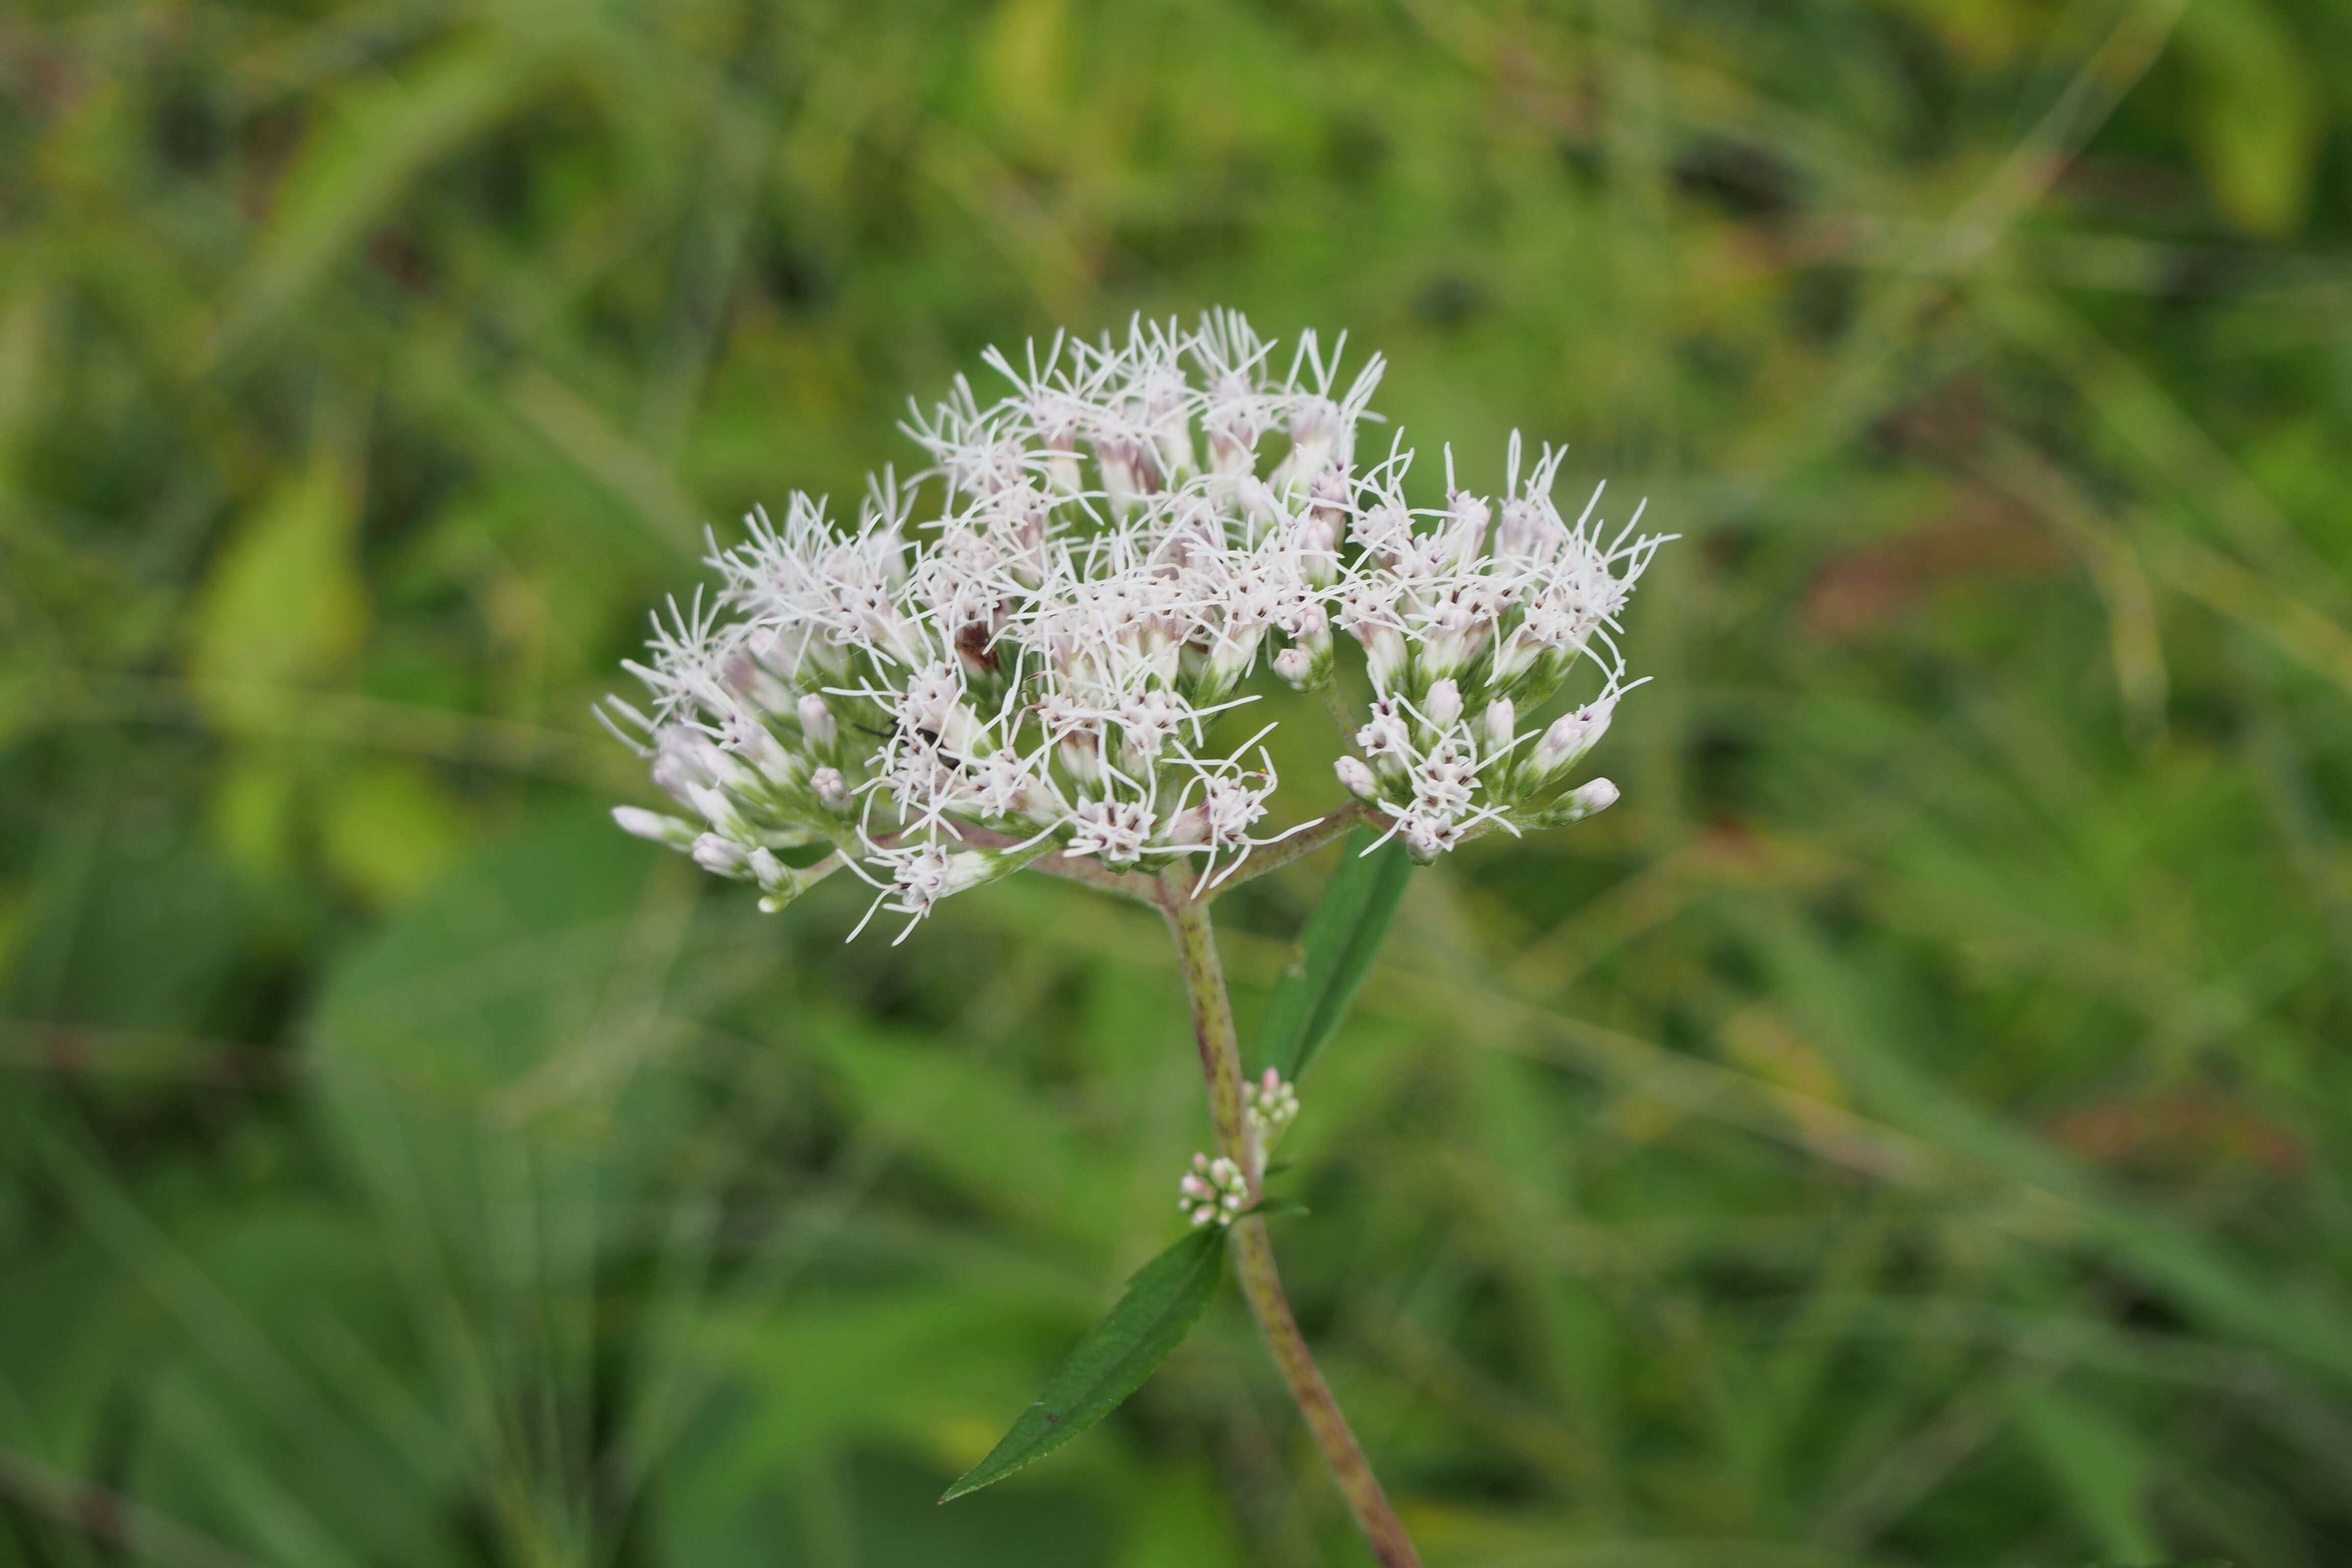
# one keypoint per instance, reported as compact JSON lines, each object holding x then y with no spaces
{"x":1214,"y":1191}
{"x":1044,"y":642}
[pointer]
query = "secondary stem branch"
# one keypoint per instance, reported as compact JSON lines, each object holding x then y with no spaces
{"x":1071,"y":867}
{"x":1221,"y":1064}
{"x":1332,"y":825}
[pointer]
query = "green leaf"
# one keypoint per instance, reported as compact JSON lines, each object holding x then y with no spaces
{"x":2255,"y":123}
{"x":284,"y":603}
{"x":2100,"y":1466}
{"x":1275,"y":1208}
{"x":1163,"y":1302}
{"x":388,"y":828}
{"x":1341,"y":939}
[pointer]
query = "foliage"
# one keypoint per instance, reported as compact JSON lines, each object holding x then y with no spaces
{"x":1337,"y":947}
{"x":1909,"y":1129}
{"x":1159,"y":1308}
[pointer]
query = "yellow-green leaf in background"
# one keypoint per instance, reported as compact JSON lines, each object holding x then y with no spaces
{"x":388,"y":829}
{"x":1023,"y":56}
{"x":283,"y":603}
{"x":253,"y":813}
{"x":2255,"y":123}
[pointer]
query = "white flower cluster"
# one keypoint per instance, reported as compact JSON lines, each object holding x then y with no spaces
{"x":1468,"y":622}
{"x":1043,"y":660}
{"x":1213,"y":1191}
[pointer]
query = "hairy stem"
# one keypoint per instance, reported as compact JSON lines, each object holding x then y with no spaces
{"x":1262,"y":1287}
{"x":1221,"y":1064}
{"x":1212,"y":1017}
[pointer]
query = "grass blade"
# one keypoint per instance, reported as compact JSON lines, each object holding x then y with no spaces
{"x":1163,"y":1302}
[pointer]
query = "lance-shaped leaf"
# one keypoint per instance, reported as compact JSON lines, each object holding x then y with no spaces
{"x":1163,"y":1302}
{"x":1342,"y":938}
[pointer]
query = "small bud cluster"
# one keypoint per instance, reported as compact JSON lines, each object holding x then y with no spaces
{"x":1271,"y":1104}
{"x":1213,"y":1191}
{"x":1039,"y":659}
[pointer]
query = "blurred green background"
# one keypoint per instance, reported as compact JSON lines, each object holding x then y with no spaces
{"x":1910,"y":1129}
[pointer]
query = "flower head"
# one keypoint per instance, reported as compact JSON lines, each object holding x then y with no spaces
{"x":1042,"y":643}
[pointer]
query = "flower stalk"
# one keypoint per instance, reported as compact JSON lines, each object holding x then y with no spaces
{"x":1220,"y":1067}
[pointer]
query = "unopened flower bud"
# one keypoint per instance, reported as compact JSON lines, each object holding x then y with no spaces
{"x":1586,"y":799}
{"x":1466,"y":533}
{"x":678,"y":757}
{"x":1357,"y":777}
{"x":1258,"y":502}
{"x":1327,"y":493}
{"x":831,"y":788}
{"x":1231,"y":660}
{"x":1513,"y":534}
{"x":1270,"y":1104}
{"x":1502,"y":726}
{"x":817,"y":722}
{"x":719,"y":811}
{"x":1081,"y":756}
{"x":721,"y":856}
{"x":779,"y":765}
{"x":1570,"y":736}
{"x":1294,"y":666}
{"x":1319,"y":551}
{"x":1212,"y":1192}
{"x":1444,"y":704}
{"x":1190,"y":825}
{"x":670,"y":830}
{"x":1592,"y":796}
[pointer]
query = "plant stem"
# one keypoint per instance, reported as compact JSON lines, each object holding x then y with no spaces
{"x":1262,"y":1287}
{"x":1072,"y":867}
{"x":1331,"y":825}
{"x":1212,"y":1017}
{"x":1221,"y":1064}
